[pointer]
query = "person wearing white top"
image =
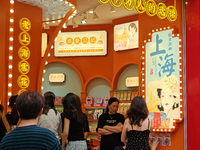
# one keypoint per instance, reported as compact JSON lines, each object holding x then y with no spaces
{"x":51,"y":118}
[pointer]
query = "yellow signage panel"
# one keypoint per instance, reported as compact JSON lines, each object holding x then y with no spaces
{"x":56,"y":77}
{"x":88,"y":43}
{"x":132,"y":81}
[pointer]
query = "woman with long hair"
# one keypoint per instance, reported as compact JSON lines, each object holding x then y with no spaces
{"x":76,"y":126}
{"x":110,"y":126}
{"x":50,"y":118}
{"x":137,"y":126}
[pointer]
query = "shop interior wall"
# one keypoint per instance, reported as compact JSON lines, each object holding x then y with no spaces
{"x":146,"y":25}
{"x":98,"y":87}
{"x":129,"y":71}
{"x":92,"y":67}
{"x":72,"y":81}
{"x":112,"y":65}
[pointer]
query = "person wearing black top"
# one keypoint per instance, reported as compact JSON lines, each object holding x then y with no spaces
{"x":76,"y":126}
{"x":12,"y":117}
{"x":1,"y":110}
{"x":110,"y":126}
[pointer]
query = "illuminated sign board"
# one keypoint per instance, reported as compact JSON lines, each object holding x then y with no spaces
{"x":88,"y":43}
{"x":56,"y":77}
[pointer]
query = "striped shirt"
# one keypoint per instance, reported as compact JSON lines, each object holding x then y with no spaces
{"x":30,"y":137}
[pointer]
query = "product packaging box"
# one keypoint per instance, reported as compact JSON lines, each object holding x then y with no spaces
{"x":98,"y":101}
{"x":105,"y":100}
{"x":89,"y":101}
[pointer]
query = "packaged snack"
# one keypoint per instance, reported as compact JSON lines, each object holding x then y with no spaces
{"x":152,"y":137}
{"x":160,"y":140}
{"x":125,"y":95}
{"x":118,"y":95}
{"x":115,"y":93}
{"x":105,"y":100}
{"x":125,"y":109}
{"x":89,"y":114}
{"x":98,"y":101}
{"x":167,"y":139}
{"x":121,"y":95}
{"x":89,"y":101}
{"x":58,"y":99}
{"x":129,"y":95}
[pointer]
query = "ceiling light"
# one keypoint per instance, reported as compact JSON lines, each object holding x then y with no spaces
{"x":46,"y":26}
{"x":65,"y":25}
{"x":74,"y":24}
{"x":84,"y":20}
{"x":95,"y":17}
{"x":112,"y":9}
{"x":91,"y":11}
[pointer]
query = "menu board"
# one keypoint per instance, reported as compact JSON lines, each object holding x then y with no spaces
{"x":87,"y":43}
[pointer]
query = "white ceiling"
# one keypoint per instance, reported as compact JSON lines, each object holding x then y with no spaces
{"x":102,"y":10}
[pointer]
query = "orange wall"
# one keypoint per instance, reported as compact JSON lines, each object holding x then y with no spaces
{"x":4,"y":22}
{"x":20,"y":11}
{"x":26,"y":11}
{"x":91,"y":66}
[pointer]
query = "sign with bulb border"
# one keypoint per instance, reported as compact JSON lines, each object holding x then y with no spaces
{"x":162,"y":78}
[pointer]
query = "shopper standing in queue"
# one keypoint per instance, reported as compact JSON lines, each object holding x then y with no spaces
{"x":10,"y":119}
{"x":76,"y":126}
{"x":137,"y":126}
{"x":110,"y":126}
{"x":1,"y":110}
{"x":50,"y":118}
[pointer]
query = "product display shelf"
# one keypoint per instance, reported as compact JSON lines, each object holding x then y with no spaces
{"x":125,"y":101}
{"x":94,"y":107}
{"x":58,"y":103}
{"x":92,"y":120}
{"x":93,"y":133}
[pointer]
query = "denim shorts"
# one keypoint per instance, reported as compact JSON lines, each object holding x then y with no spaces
{"x":77,"y":145}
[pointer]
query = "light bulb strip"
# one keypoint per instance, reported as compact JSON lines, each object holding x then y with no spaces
{"x":10,"y":52}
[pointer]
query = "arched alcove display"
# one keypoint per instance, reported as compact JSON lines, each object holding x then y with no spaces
{"x":130,"y":71}
{"x":72,"y":81}
{"x":98,"y":87}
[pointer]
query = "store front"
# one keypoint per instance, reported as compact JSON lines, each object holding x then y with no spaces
{"x":104,"y":70}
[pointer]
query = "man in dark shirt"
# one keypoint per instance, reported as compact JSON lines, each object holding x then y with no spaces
{"x":110,"y":126}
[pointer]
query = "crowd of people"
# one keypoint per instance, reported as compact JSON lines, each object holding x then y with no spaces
{"x":34,"y":123}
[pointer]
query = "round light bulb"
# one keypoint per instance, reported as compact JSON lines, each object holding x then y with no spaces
{"x":11,"y":10}
{"x":10,"y":66}
{"x":10,"y":48}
